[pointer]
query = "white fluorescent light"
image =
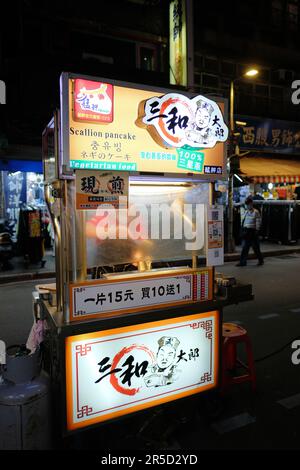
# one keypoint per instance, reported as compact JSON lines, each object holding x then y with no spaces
{"x":240,"y":179}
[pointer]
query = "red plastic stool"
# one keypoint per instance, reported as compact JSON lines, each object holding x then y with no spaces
{"x":233,"y":335}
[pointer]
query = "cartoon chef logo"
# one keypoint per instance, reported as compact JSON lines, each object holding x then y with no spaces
{"x":200,"y":130}
{"x":165,"y":371}
{"x":135,"y":362}
{"x":174,"y":120}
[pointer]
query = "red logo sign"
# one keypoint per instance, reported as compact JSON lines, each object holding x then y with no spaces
{"x":93,"y":101}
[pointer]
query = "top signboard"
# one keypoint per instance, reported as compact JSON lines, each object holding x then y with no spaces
{"x":110,"y":125}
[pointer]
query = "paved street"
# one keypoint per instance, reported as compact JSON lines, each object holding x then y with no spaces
{"x":267,"y":419}
{"x":272,"y":320}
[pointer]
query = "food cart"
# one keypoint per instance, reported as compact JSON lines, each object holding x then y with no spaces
{"x":133,"y":322}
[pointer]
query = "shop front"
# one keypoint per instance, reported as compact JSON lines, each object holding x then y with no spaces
{"x":269,"y":171}
{"x":24,"y":214}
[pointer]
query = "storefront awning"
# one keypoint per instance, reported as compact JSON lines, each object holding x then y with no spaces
{"x":21,"y":165}
{"x":270,"y":170}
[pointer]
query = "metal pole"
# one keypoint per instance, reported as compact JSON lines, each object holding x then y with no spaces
{"x":2,"y":195}
{"x":211,"y":201}
{"x":230,"y":241}
{"x":231,"y":106}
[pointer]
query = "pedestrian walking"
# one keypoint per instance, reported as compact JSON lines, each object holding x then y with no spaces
{"x":250,"y":225}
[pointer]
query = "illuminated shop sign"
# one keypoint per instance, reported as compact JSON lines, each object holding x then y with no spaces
{"x":175,"y":120}
{"x":111,"y":126}
{"x":115,"y":372}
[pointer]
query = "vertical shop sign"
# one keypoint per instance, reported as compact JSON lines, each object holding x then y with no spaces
{"x":178,"y":43}
{"x":93,"y":299}
{"x":14,"y":194}
{"x":34,"y":224}
{"x":215,"y":242}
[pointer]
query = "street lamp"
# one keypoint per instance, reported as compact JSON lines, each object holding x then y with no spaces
{"x":232,"y":152}
{"x":251,"y":73}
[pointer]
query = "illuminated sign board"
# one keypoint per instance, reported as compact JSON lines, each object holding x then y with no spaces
{"x":114,"y":126}
{"x":2,"y":92}
{"x":129,"y":294}
{"x":115,"y":372}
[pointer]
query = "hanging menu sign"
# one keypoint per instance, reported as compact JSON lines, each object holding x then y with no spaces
{"x":130,"y":294}
{"x":215,"y":239}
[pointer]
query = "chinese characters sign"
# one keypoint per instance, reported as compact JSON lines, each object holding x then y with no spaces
{"x":96,"y":298}
{"x":270,"y":135}
{"x":177,"y":42}
{"x":14,"y":195}
{"x":150,"y":131}
{"x":115,"y":372}
{"x":93,"y":101}
{"x":175,"y":120}
{"x":96,"y":188}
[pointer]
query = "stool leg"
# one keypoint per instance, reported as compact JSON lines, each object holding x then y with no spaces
{"x":251,"y":364}
{"x":230,"y":362}
{"x":231,"y":355}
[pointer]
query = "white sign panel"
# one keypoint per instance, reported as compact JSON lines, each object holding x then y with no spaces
{"x":179,"y":121}
{"x":119,"y":371}
{"x":96,"y":298}
{"x":2,"y":92}
{"x":215,"y":236}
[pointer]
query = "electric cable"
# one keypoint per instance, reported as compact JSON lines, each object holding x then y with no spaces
{"x":277,"y":350}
